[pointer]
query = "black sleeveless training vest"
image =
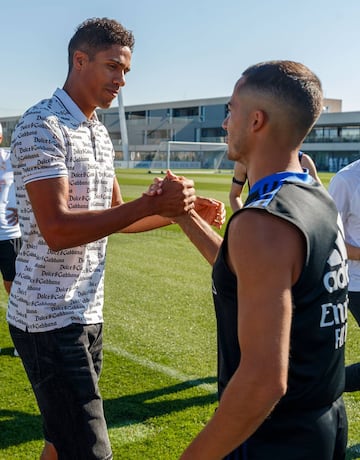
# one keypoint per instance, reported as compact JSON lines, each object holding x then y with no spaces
{"x":319,"y":322}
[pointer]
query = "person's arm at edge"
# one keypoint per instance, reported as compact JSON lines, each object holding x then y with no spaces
{"x":340,"y":191}
{"x":353,"y":252}
{"x":236,"y":188}
{"x":235,"y":196}
{"x":247,"y":401}
{"x":307,"y":162}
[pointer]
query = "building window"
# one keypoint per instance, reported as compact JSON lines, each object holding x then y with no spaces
{"x":139,"y":115}
{"x":350,"y":133}
{"x":334,"y":134}
{"x":323,"y":134}
{"x":158,"y":135}
{"x":186,"y":112}
{"x":216,"y":134}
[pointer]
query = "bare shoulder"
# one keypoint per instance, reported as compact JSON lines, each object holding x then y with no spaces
{"x":259,"y":240}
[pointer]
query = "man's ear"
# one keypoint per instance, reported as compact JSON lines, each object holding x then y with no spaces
{"x":259,"y":119}
{"x":79,"y":59}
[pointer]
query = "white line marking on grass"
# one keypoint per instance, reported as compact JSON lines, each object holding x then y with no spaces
{"x":169,"y":371}
{"x":131,"y":432}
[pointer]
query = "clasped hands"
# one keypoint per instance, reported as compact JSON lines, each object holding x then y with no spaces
{"x":211,"y":210}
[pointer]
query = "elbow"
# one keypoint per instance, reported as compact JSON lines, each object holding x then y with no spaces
{"x":277,"y":389}
{"x":55,"y":244}
{"x":272,"y":391}
{"x":54,"y":238}
{"x":212,"y":257}
{"x":270,"y":396}
{"x":267,"y":383}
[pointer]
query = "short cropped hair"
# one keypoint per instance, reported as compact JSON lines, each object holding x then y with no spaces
{"x":98,"y":34}
{"x":292,"y":85}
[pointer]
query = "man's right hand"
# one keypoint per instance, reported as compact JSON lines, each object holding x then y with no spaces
{"x":173,"y":195}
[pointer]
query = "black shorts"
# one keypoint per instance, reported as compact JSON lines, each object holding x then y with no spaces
{"x":64,"y":367}
{"x":319,"y":434}
{"x":8,"y":252}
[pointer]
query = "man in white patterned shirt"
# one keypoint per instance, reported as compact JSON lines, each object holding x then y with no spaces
{"x":69,"y":201}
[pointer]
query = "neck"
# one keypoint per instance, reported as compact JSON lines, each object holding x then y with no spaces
{"x":271,"y":162}
{"x":77,"y":96}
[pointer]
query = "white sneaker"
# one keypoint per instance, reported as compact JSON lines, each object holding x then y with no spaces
{"x":16,"y":353}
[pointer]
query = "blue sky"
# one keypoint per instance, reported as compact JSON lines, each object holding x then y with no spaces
{"x":185,"y":49}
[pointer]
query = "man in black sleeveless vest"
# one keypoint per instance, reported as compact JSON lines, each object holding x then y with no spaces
{"x":279,"y":284}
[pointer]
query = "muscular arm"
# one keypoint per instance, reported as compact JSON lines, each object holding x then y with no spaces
{"x":267,"y":260}
{"x":63,"y":227}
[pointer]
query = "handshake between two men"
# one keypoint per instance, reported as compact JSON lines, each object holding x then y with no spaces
{"x":184,"y":199}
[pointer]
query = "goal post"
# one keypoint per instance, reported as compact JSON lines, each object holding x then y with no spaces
{"x":189,"y":155}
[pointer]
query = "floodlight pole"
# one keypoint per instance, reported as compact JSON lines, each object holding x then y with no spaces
{"x":123,"y":128}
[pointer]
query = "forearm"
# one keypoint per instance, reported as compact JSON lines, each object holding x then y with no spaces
{"x":147,"y":223}
{"x":74,"y":227}
{"x":236,"y":202}
{"x":353,"y":252}
{"x":206,"y":240}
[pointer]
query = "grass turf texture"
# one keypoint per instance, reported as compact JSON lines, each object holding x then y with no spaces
{"x":158,"y":381}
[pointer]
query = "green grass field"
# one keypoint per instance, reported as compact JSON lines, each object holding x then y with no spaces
{"x":159,"y":376}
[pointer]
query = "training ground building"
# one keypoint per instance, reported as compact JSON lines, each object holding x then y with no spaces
{"x":161,"y":135}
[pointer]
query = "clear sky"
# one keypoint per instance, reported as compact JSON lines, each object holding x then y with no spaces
{"x":185,"y":49}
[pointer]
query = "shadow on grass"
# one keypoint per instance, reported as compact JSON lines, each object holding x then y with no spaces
{"x":17,"y":427}
{"x":155,"y":403}
{"x":9,"y":351}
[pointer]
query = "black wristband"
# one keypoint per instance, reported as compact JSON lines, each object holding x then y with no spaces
{"x":238,"y":182}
